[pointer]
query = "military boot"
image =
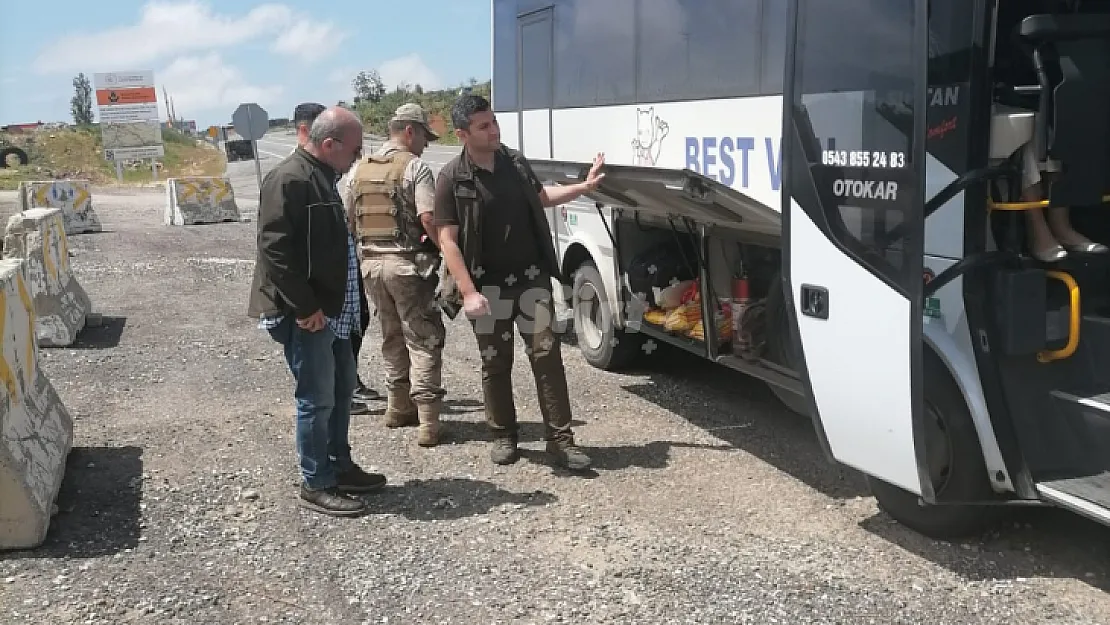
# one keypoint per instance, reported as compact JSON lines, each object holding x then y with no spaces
{"x":428,"y":435}
{"x":400,"y":411}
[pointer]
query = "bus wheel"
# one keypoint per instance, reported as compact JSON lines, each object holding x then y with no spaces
{"x":956,"y":467}
{"x":781,"y":348}
{"x":603,"y":345}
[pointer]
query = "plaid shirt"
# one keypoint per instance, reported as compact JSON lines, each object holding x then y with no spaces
{"x":347,"y":321}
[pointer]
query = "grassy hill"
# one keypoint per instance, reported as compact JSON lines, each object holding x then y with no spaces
{"x":375,"y":115}
{"x":77,"y":153}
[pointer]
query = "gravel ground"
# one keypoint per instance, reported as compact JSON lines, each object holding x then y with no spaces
{"x":709,"y":504}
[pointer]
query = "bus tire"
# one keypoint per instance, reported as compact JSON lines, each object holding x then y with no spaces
{"x":781,"y":348}
{"x":961,"y":476}
{"x":603,"y":344}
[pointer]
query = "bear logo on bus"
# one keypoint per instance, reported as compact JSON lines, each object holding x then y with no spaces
{"x":650,"y":132}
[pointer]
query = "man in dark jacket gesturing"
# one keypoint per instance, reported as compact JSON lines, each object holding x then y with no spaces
{"x":306,"y":294}
{"x":489,"y":208}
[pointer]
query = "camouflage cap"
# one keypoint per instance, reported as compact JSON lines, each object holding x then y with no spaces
{"x":413,"y":112}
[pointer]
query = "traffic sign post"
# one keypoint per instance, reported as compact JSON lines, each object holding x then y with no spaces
{"x":251,"y":122}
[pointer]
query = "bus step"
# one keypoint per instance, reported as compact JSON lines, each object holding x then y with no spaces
{"x":1073,"y":444}
{"x":1088,"y":495}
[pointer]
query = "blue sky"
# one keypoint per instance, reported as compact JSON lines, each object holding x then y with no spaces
{"x":211,"y":55}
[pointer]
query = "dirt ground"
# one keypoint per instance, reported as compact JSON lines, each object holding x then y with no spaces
{"x":709,"y":503}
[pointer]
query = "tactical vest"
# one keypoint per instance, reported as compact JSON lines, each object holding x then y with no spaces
{"x":384,"y":224}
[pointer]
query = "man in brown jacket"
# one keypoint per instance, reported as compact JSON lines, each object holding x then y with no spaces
{"x":305,"y":293}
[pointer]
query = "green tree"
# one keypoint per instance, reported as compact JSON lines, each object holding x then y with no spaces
{"x":368,"y":86}
{"x":81,"y":104}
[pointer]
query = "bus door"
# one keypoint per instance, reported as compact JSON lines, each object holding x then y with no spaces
{"x":853,"y":157}
{"x":535,"y":84}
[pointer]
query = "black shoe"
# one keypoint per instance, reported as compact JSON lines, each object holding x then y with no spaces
{"x":365,"y":393}
{"x":359,"y":408}
{"x":330,"y":501}
{"x":504,"y":451}
{"x":568,"y":455}
{"x":355,"y":480}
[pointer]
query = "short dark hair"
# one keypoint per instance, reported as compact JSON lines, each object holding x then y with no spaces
{"x":466,"y":106}
{"x":307,"y":112}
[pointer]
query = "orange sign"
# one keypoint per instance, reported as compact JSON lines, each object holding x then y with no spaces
{"x":138,"y":95}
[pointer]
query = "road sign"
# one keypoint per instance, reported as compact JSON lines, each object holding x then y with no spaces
{"x":135,"y":154}
{"x":123,"y":80}
{"x":127,"y":103}
{"x":127,"y":113}
{"x":250,"y":121}
{"x":124,"y":97}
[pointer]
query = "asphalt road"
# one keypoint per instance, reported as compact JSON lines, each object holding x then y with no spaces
{"x":276,"y":145}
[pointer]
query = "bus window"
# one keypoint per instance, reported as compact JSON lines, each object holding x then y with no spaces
{"x":595,"y":52}
{"x":854,"y":78}
{"x":775,"y":15}
{"x":504,"y":55}
{"x":696,"y":49}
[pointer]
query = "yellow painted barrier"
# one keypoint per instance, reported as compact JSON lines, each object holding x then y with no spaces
{"x":72,"y":197}
{"x":37,"y":428}
{"x":61,"y":305}
{"x":192,"y":201}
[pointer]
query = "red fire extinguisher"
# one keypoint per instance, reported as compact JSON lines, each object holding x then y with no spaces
{"x":740,"y":339}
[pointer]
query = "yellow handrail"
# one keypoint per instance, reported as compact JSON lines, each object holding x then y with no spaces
{"x":1024,"y":206}
{"x":1073,"y":320}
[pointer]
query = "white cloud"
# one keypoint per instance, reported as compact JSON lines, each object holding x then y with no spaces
{"x":409,"y":69}
{"x":309,"y":41}
{"x":166,"y":28}
{"x":206,"y":83}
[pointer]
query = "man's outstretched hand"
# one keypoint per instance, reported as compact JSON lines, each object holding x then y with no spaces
{"x":594,"y":178}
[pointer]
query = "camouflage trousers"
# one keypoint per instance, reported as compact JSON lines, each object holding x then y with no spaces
{"x":412,"y":326}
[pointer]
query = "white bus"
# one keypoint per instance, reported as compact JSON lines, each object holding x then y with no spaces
{"x":856,"y":161}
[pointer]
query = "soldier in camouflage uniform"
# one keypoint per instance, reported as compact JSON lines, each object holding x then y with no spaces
{"x":390,"y":196}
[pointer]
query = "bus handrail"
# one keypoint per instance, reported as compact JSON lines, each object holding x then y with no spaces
{"x":1074,"y":319}
{"x":950,"y":191}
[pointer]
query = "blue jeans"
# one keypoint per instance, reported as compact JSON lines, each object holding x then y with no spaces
{"x":324,"y":368}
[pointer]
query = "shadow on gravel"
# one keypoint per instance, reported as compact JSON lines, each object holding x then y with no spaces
{"x":741,"y":411}
{"x":445,"y":499}
{"x":98,"y":505}
{"x":104,"y":336}
{"x":654,"y":455}
{"x":1032,"y":543}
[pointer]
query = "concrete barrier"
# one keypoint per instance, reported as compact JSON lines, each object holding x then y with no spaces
{"x":73,"y":197}
{"x":199,"y":201}
{"x":36,"y":430}
{"x":61,"y":304}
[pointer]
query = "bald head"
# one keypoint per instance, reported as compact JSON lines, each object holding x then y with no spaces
{"x":336,"y":138}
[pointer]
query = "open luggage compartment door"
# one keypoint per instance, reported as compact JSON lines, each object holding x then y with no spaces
{"x":669,"y":193}
{"x":854,"y":159}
